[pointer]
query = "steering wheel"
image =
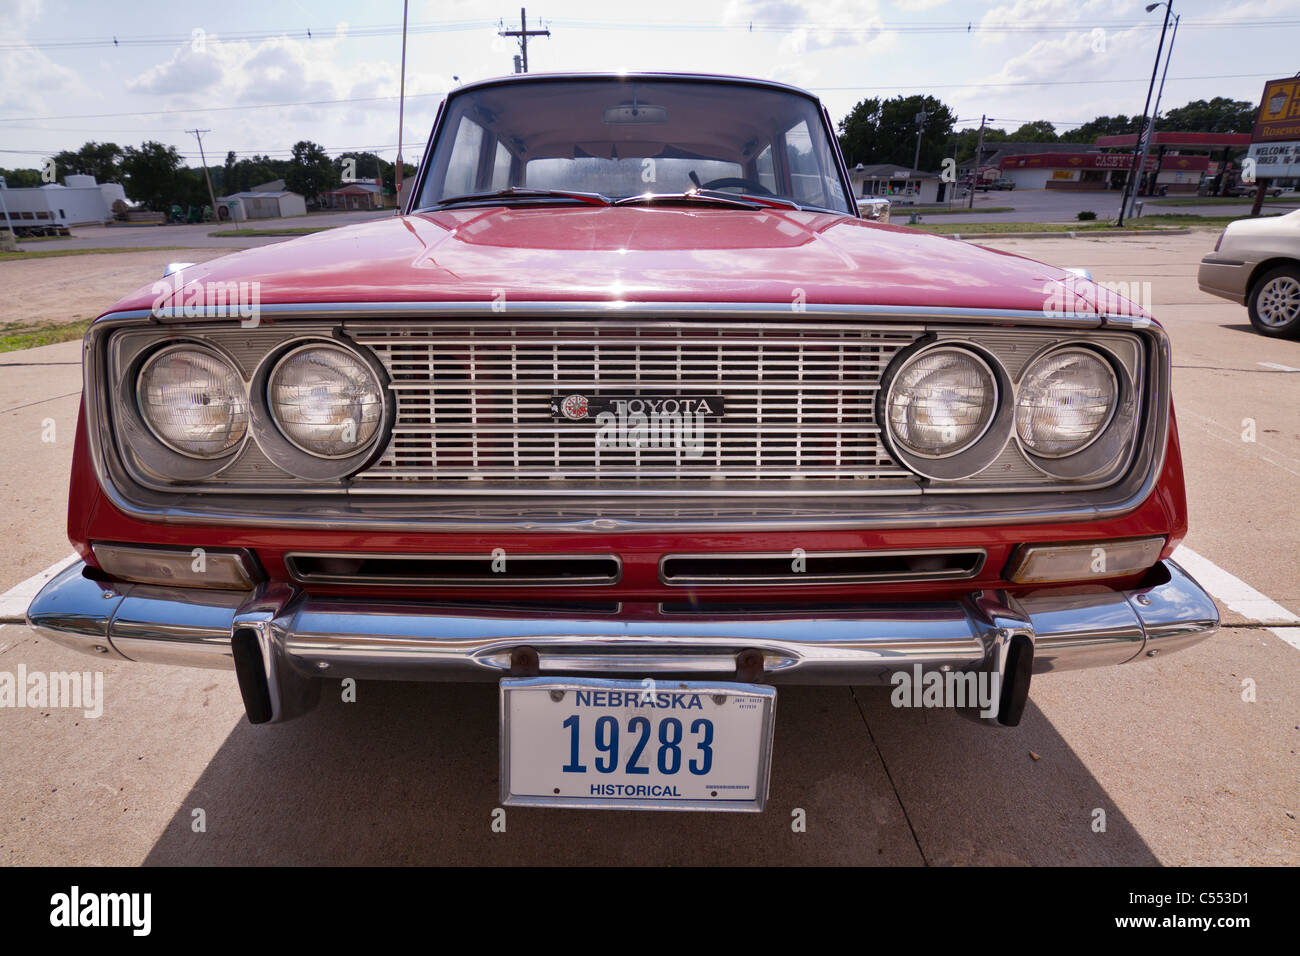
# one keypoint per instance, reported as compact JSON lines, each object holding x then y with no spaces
{"x":752,"y":185}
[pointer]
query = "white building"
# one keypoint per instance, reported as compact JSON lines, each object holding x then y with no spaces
{"x":258,"y":203}
{"x":899,"y":184}
{"x":80,"y":202}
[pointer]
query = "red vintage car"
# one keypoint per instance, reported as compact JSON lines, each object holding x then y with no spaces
{"x":632,"y":413}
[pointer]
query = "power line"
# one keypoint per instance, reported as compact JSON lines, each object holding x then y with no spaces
{"x":218,"y":109}
{"x":816,"y":89}
{"x":777,"y":26}
{"x":523,"y":33}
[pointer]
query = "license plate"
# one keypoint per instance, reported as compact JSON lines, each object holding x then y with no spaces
{"x":644,"y":745}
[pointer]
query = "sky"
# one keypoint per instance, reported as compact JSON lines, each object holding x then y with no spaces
{"x":262,"y":75}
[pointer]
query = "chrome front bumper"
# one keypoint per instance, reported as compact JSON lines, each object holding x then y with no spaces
{"x":279,"y":639}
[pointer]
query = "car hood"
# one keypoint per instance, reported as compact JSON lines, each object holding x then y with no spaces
{"x":625,"y":254}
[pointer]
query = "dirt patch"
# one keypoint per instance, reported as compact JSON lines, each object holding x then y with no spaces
{"x":69,"y":289}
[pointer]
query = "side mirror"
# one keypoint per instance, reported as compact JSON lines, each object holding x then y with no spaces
{"x":877,"y":210}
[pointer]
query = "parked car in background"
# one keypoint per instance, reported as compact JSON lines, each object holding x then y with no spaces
{"x":1003,"y":183}
{"x":1250,"y":189}
{"x":635,"y":415}
{"x":1256,"y":263}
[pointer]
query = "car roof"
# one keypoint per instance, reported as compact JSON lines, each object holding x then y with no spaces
{"x":669,"y":77}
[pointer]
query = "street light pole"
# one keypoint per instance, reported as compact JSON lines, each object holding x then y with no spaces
{"x":1155,"y":68}
{"x":401,"y":119}
{"x":1146,"y":143}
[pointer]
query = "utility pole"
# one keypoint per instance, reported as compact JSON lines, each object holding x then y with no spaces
{"x":1129,"y":179}
{"x":524,"y":33}
{"x":198,"y":134}
{"x":401,"y":115}
{"x":979,"y":158}
{"x":920,"y":118}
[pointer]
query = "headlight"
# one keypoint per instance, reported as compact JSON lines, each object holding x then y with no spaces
{"x":325,"y":400}
{"x":941,"y":402}
{"x":1065,"y":400}
{"x":193,"y":401}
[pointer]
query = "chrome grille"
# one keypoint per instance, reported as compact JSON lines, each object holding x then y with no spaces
{"x":474,"y":402}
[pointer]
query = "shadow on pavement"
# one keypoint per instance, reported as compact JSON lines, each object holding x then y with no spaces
{"x":408,"y":775}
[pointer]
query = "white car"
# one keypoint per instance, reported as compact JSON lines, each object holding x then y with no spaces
{"x":1256,"y":263}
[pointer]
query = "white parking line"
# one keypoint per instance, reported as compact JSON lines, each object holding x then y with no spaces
{"x":1280,"y":368}
{"x":1289,"y":634}
{"x":13,"y":603}
{"x":1239,"y":596}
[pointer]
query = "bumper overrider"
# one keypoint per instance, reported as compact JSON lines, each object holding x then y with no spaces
{"x":281,"y":642}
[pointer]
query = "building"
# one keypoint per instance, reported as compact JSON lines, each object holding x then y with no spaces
{"x":261,"y":203}
{"x":78,"y":201}
{"x":989,"y":165}
{"x":899,"y":184}
{"x":1213,"y":150}
{"x":360,"y":194}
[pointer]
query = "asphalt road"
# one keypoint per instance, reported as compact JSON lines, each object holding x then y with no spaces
{"x":196,"y":236}
{"x":1185,"y":770}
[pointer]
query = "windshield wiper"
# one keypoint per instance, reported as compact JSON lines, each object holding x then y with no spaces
{"x":745,"y":201}
{"x":721,"y":199}
{"x":524,"y":192}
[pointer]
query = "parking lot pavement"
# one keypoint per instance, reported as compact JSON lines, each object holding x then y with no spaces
{"x":1168,"y":753}
{"x":1057,"y":205}
{"x":196,"y":235}
{"x":40,"y":391}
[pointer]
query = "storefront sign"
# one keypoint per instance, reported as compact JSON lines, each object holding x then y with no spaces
{"x":1278,"y":119}
{"x":1275,"y":160}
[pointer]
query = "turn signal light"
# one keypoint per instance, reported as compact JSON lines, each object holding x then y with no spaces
{"x":1040,"y":563}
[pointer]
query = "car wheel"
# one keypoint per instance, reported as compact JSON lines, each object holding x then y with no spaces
{"x":1274,"y":303}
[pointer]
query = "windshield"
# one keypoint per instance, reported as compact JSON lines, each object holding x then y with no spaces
{"x":627,"y":137}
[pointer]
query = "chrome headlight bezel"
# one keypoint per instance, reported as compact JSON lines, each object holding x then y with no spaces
{"x":977,"y":453}
{"x":1112,"y":441}
{"x":154,"y":452}
{"x":1030,"y":369}
{"x":287,"y":454}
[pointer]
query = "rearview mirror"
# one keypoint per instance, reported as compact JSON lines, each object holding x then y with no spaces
{"x":633,"y":115}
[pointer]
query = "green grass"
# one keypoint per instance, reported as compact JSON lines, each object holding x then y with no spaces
{"x":286,"y":231}
{"x":1220,"y":201}
{"x":54,"y":253}
{"x":16,"y":335}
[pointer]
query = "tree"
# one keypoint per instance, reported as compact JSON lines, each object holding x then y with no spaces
{"x":101,"y":160}
{"x":151,"y":174}
{"x":22,"y":178}
{"x":884,"y":131}
{"x":1039,"y":131}
{"x":1219,"y":115}
{"x":310,"y":171}
{"x":254,"y":171}
{"x":967,"y":139}
{"x":1102,"y":126}
{"x":225,"y":184}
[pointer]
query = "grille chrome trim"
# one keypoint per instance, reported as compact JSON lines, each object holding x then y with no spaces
{"x":299,"y":563}
{"x":964,"y":563}
{"x":474,"y":400}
